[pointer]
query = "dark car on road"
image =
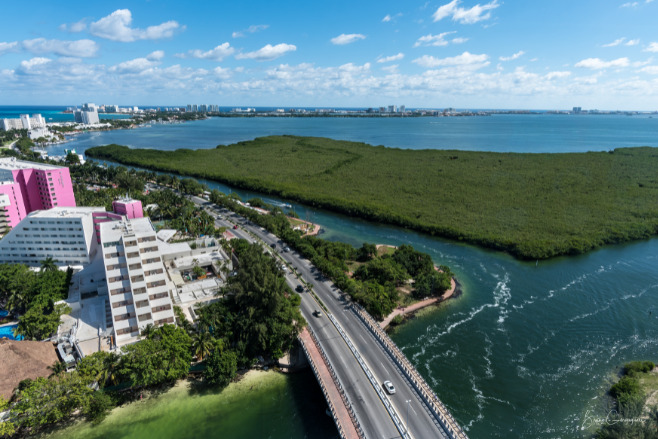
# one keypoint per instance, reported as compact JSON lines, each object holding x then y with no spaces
{"x":299,"y":289}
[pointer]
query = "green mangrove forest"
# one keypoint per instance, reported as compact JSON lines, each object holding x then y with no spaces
{"x":533,"y":206}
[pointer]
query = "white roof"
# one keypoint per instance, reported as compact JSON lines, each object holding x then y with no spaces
{"x":165,"y":234}
{"x":115,"y":229}
{"x":10,"y":163}
{"x":169,"y":249}
{"x":65,"y":212}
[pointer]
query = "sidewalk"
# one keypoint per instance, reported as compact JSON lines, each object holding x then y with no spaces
{"x":419,"y":305}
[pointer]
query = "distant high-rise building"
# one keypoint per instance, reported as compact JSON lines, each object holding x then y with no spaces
{"x":392,"y":109}
{"x":88,"y":115}
{"x":24,"y":122}
{"x":195,"y":108}
{"x":577,"y":110}
{"x":403,"y":109}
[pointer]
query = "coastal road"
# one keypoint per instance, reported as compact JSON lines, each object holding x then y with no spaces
{"x":370,"y":411}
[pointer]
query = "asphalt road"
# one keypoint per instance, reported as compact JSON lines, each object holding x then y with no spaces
{"x":370,"y":411}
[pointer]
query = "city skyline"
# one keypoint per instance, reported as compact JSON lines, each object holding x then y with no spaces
{"x":464,"y":54}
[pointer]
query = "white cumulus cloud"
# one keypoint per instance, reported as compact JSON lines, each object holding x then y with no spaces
{"x":217,"y":54}
{"x":557,"y":75}
{"x":397,"y":57}
{"x":117,"y":27}
{"x":463,"y":60}
{"x":517,"y":55}
{"x":80,"y":48}
{"x":8,"y":47}
{"x":78,"y":26}
{"x":347,"y":38}
{"x":268,"y":52}
{"x":632,"y":42}
{"x":250,"y":30}
{"x":598,"y":63}
{"x":138,"y":65}
{"x":652,"y":47}
{"x":617,"y":42}
{"x":388,"y":17}
{"x":31,"y":63}
{"x":433,"y":40}
{"x":465,"y":15}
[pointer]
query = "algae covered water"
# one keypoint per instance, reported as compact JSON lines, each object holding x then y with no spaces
{"x":261,"y":405}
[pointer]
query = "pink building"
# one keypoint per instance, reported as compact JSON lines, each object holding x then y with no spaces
{"x":127,"y":206}
{"x":27,"y":186}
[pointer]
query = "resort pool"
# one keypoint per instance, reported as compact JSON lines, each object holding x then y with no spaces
{"x":8,"y":332}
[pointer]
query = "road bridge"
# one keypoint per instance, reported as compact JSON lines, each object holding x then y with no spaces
{"x":352,"y":356}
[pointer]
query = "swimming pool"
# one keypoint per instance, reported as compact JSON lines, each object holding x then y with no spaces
{"x":8,"y":332}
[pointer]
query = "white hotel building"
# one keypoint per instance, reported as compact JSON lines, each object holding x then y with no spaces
{"x":24,"y":122}
{"x":65,"y":234}
{"x":137,"y":283}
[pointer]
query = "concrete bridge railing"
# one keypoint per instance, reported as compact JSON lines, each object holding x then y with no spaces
{"x":440,"y":411}
{"x":342,"y":429}
{"x":404,"y":432}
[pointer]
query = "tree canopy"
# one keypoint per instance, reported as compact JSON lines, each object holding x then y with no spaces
{"x":259,"y":315}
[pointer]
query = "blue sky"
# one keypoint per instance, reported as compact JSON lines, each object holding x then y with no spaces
{"x":466,"y":54}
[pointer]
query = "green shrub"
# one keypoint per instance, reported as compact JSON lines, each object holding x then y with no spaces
{"x":625,"y":386}
{"x":638,"y":367}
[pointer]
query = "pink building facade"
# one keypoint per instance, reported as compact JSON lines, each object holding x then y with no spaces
{"x":127,"y":206}
{"x":27,"y":186}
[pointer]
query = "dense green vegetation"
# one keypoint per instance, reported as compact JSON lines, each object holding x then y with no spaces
{"x":31,"y":296}
{"x":627,"y":418}
{"x":531,"y":205}
{"x":7,"y":137}
{"x":374,"y":284}
{"x":259,"y":315}
{"x":178,"y":212}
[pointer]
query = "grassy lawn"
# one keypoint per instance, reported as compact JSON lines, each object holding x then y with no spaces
{"x":385,"y":250}
{"x":649,"y":385}
{"x":533,"y":206}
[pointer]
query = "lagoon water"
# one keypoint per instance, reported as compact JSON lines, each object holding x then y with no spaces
{"x":500,"y":133}
{"x":528,"y":350}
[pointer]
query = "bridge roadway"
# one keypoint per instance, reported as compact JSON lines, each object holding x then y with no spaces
{"x":374,"y":419}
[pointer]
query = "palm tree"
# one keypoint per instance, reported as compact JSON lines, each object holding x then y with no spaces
{"x":16,"y":302}
{"x":49,"y":264}
{"x":109,"y":372}
{"x":148,"y":330}
{"x":57,"y":368}
{"x":202,"y":344}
